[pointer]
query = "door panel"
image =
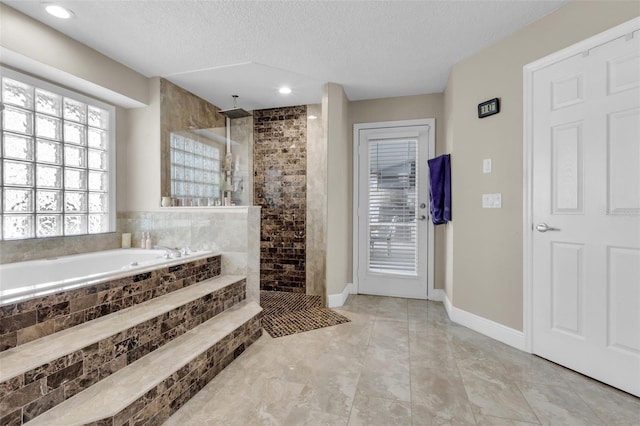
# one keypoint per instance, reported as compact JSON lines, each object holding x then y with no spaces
{"x":586,"y":191}
{"x":567,"y":168}
{"x":393,"y":211}
{"x":567,"y":287}
{"x":623,"y":292}
{"x":623,"y":171}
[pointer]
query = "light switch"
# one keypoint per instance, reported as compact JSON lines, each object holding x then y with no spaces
{"x":492,"y":201}
{"x":486,"y":165}
{"x":497,"y":201}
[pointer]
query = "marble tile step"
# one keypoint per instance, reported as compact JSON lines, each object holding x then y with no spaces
{"x":153,"y":387}
{"x":49,"y":350}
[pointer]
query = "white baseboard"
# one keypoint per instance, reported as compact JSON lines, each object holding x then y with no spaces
{"x":336,"y":300}
{"x":497,"y":331}
{"x":437,"y":295}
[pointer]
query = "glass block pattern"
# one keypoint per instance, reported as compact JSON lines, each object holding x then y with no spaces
{"x":195,"y":168}
{"x":54,"y":162}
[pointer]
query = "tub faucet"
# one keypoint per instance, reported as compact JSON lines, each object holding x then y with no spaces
{"x":170,"y":252}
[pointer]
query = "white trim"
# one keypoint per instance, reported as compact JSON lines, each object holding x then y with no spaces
{"x":527,"y":158}
{"x":437,"y":295}
{"x":447,"y":305}
{"x":431,"y":124}
{"x":337,"y":300}
{"x":497,"y":331}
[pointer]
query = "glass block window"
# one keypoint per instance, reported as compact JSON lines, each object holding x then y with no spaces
{"x":56,"y":167}
{"x":195,"y":168}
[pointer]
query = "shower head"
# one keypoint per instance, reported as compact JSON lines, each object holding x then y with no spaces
{"x":235,"y":112}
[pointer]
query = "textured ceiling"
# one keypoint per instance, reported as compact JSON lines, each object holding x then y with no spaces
{"x":215,"y":49}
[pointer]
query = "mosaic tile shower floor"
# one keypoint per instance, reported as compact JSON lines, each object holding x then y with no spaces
{"x":290,"y":313}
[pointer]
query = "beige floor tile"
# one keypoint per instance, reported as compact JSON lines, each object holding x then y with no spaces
{"x":393,"y":308}
{"x":525,"y":367}
{"x":301,"y":416}
{"x":426,"y":311}
{"x":497,"y":421}
{"x":399,"y":362}
{"x":333,"y":399}
{"x":385,"y":374}
{"x":491,"y":392}
{"x":372,"y":411}
{"x":426,"y":355}
{"x":558,"y":405}
{"x":391,"y":335}
{"x":438,"y":397}
{"x":363,"y":304}
{"x":612,"y":406}
{"x":429,"y":347}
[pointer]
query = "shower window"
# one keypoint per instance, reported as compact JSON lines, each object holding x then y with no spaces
{"x":56,"y":161}
{"x":195,"y":168}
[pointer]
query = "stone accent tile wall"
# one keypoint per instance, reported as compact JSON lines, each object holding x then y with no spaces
{"x":30,"y":394}
{"x":31,"y":319}
{"x":280,"y":163}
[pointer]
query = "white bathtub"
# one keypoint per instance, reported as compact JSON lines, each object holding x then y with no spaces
{"x":25,"y":280}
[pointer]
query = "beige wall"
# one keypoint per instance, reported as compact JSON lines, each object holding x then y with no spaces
{"x":45,"y":49}
{"x":407,"y":108}
{"x":142,"y":167}
{"x":339,"y":193}
{"x":48,"y":49}
{"x":487,"y":243}
{"x":446,"y":125}
{"x":34,"y":48}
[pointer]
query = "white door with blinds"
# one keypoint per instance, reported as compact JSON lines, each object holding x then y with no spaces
{"x":392,"y":213}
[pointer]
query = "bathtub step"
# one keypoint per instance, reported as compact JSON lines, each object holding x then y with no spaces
{"x":158,"y":384}
{"x":43,"y":373}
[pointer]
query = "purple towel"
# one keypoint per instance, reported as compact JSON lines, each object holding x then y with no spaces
{"x":440,"y":189}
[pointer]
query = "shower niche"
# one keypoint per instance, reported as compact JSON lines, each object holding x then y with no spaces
{"x":206,"y":153}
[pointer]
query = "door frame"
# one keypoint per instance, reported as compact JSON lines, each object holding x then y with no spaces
{"x":582,"y":47}
{"x":431,"y":149}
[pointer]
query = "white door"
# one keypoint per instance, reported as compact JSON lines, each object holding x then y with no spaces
{"x":393,"y":209}
{"x":586,"y":212}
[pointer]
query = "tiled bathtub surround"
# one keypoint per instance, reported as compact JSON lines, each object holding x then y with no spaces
{"x":25,"y":321}
{"x":233,"y":231}
{"x":197,"y":359}
{"x":280,"y":160}
{"x":43,"y":248}
{"x":29,"y":394}
{"x":158,"y":404}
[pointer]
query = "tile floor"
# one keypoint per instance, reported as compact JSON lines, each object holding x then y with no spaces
{"x":400,"y":362}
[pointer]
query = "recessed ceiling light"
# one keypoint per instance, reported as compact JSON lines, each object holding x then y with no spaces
{"x":58,"y":11}
{"x":285,"y":90}
{"x":312,"y":117}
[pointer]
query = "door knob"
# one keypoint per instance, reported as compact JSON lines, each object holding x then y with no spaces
{"x":543,"y":227}
{"x":422,"y":217}
{"x":423,"y":205}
